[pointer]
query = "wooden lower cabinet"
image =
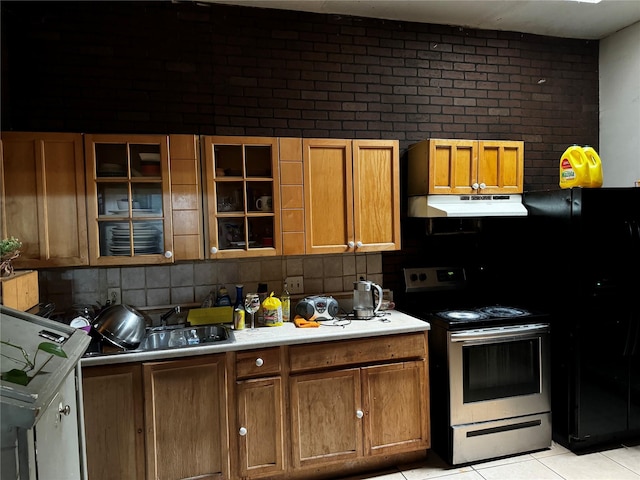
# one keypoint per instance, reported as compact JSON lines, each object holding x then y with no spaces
{"x":186,"y":418}
{"x":326,"y":417}
{"x":260,"y":434}
{"x":157,"y":420}
{"x":352,"y":405}
{"x":318,"y":410}
{"x":345,"y":415}
{"x":114,"y":422}
{"x":260,"y":414}
{"x":396,"y":415}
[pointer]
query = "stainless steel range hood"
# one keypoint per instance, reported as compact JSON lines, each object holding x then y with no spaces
{"x":498,"y":205}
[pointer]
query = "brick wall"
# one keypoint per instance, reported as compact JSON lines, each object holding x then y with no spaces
{"x":153,"y":67}
{"x":164,"y":67}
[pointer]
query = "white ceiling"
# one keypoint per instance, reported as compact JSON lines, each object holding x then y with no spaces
{"x":583,"y":19}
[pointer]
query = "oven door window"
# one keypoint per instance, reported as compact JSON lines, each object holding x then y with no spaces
{"x":501,"y":370}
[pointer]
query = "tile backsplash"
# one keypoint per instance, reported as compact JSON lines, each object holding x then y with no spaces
{"x":190,"y":282}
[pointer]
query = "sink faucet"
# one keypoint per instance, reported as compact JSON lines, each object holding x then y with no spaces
{"x":167,"y":315}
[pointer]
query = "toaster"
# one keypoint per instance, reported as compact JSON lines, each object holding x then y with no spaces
{"x":317,"y":307}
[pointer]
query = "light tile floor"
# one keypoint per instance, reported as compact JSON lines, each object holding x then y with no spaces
{"x":556,"y":463}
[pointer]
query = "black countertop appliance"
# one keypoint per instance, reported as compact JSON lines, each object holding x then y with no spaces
{"x":581,"y":263}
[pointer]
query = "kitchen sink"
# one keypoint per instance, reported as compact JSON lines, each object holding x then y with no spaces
{"x":158,"y":338}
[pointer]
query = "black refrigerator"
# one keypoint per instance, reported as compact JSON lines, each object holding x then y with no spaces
{"x":582,"y":264}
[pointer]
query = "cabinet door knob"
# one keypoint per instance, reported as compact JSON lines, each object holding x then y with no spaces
{"x":242,"y":431}
{"x":351,"y":244}
{"x":358,"y":244}
{"x":483,"y":185}
{"x":168,"y":254}
{"x":66,"y":410}
{"x":213,"y":249}
{"x":475,"y":186}
{"x":259,"y":362}
{"x":359,"y":413}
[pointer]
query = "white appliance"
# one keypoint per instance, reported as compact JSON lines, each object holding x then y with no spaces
{"x":460,"y":206}
{"x":41,"y":434}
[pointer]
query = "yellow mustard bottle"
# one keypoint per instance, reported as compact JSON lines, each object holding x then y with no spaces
{"x":594,"y":165}
{"x":574,"y":170}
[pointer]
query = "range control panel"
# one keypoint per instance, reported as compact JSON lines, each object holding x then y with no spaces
{"x":434,"y":278}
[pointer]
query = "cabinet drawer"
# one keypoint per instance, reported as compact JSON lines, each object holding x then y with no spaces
{"x":353,"y":352}
{"x":258,"y":363}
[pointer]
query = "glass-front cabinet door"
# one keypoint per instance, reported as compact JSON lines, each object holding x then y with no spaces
{"x":243,"y":201}
{"x":128,"y":199}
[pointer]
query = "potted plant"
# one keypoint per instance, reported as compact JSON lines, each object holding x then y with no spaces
{"x":21,"y":375}
{"x":9,"y":251}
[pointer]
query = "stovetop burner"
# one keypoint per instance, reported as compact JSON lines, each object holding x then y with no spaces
{"x":481,"y":313}
{"x":499,"y":311}
{"x":468,"y":315}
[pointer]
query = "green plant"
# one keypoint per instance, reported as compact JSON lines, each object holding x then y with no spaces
{"x":9,"y":245}
{"x":9,"y":250}
{"x":20,"y":376}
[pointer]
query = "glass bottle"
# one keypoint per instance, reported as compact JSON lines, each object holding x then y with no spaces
{"x":223,"y":299}
{"x":285,"y":298}
{"x":238,"y":309}
{"x":210,"y":300}
{"x":192,"y":338}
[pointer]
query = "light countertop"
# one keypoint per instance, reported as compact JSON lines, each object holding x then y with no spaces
{"x":389,"y":323}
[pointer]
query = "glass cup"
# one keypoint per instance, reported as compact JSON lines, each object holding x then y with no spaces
{"x":252,"y":305}
{"x":177,"y":339}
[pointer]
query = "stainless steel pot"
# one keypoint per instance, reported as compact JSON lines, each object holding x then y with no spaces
{"x":121,"y":325}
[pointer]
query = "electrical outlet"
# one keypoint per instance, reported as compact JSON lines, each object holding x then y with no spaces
{"x":295,"y":284}
{"x":114,"y":296}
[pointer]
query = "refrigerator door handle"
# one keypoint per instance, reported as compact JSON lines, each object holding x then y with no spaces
{"x":628,"y":341}
{"x":635,"y":349}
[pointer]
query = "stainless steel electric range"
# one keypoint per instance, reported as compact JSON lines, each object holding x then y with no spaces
{"x":489,"y":369}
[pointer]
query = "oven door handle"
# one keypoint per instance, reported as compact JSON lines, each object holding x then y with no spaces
{"x":482,"y":335}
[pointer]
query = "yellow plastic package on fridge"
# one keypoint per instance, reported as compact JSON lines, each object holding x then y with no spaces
{"x":574,"y":169}
{"x":594,"y":165}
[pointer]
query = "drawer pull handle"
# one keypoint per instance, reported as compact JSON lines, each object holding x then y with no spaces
{"x":259,"y":362}
{"x":242,"y":431}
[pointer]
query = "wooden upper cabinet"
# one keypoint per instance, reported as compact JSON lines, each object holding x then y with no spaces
{"x":43,"y":198}
{"x":444,"y":166}
{"x":501,"y":166}
{"x":186,"y":197}
{"x":292,"y":196}
{"x":352,"y":195}
{"x":242,"y":196}
{"x":376,"y":195}
{"x":129,"y":199}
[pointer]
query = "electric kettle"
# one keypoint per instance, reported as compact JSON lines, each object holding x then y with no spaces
{"x":365,"y":304}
